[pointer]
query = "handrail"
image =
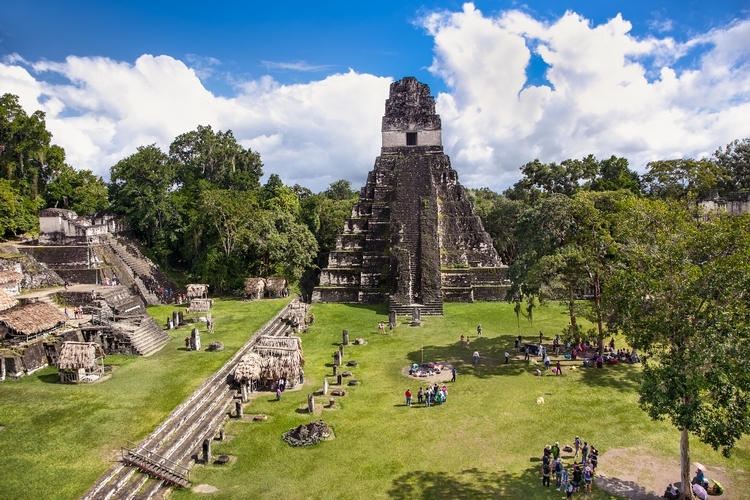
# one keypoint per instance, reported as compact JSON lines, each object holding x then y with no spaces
{"x":149,"y":455}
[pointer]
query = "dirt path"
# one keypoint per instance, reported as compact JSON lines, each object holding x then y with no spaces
{"x":637,"y":475}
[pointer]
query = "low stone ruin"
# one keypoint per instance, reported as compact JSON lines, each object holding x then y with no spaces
{"x":307,"y":435}
{"x":216,"y":346}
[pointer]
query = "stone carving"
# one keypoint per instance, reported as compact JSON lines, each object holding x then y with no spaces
{"x":413,"y":237}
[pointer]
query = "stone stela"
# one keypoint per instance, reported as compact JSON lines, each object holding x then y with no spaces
{"x":413,"y":238}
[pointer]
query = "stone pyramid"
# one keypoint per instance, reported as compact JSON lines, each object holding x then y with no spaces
{"x":413,"y":239}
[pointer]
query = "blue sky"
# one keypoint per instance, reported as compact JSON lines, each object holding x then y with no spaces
{"x":115,"y":75}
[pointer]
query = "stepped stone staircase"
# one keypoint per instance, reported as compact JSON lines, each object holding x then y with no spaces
{"x":135,"y":270}
{"x":413,"y":238}
{"x":146,"y":336}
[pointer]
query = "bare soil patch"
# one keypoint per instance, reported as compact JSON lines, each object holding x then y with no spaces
{"x":444,"y":376}
{"x":635,"y":474}
{"x":205,"y":488}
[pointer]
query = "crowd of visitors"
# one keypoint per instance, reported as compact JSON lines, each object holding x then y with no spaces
{"x":431,"y":395}
{"x":578,"y":474}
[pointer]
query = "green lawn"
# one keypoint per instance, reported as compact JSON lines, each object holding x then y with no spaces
{"x":57,"y":439}
{"x":484,"y":443}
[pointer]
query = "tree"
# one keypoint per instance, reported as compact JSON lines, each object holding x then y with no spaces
{"x":26,"y":155}
{"x":340,"y":190}
{"x":614,"y":175}
{"x":683,"y":179}
{"x":18,"y":213}
{"x":140,"y":188}
{"x":77,"y":190}
{"x":735,"y":160}
{"x":499,"y":216}
{"x":681,"y":297}
{"x":215,"y":157}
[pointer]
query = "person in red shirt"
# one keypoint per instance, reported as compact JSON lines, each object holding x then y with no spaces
{"x":408,"y":397}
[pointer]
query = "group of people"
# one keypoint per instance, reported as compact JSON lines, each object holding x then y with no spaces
{"x":431,"y":395}
{"x":582,"y":473}
{"x":699,"y":485}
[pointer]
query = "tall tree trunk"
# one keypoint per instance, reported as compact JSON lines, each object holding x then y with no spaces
{"x":571,"y":307}
{"x":598,"y":306}
{"x":686,"y":490}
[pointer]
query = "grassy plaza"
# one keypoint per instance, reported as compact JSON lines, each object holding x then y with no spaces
{"x":485,"y":442}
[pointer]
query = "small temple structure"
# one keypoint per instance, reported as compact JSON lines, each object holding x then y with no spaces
{"x":413,"y":239}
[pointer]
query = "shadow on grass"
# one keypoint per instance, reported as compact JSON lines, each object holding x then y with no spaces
{"x":49,"y":378}
{"x":629,"y":489}
{"x":468,"y":484}
{"x":620,"y":377}
{"x":491,"y":357}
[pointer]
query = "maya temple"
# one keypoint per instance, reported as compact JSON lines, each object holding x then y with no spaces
{"x":413,"y":239}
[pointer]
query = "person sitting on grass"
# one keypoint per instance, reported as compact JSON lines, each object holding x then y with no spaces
{"x":671,"y":493}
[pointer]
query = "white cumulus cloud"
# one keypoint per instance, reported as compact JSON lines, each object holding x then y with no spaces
{"x":601,"y":99}
{"x":605,"y":92}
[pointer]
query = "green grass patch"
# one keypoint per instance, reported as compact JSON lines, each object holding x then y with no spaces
{"x":484,"y":443}
{"x":58,"y":439}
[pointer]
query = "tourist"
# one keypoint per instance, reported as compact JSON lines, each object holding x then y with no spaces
{"x":427,"y":397}
{"x":66,"y":313}
{"x":577,"y":477}
{"x":585,"y":452}
{"x":545,"y":473}
{"x":587,"y":479}
{"x":700,"y":492}
{"x":461,"y":341}
{"x":564,"y":483}
{"x":420,"y":396}
{"x":671,"y":493}
{"x":476,"y":357}
{"x":569,"y":491}
{"x":577,"y":446}
{"x":556,"y":450}
{"x":559,"y":368}
{"x":594,"y":458}
{"x":519,"y":340}
{"x":526,"y":353}
{"x":444,"y":390}
{"x":700,"y":477}
{"x":301,"y":376}
{"x":453,"y":374}
{"x":546,"y":362}
{"x":468,"y":341}
{"x":479,"y":330}
{"x":278,"y":393}
{"x":541,"y":336}
{"x":187,"y":343}
{"x":558,"y":470}
{"x":507,"y":357}
{"x":408,"y":397}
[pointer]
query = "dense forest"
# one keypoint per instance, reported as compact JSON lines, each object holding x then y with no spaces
{"x":200,"y":209}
